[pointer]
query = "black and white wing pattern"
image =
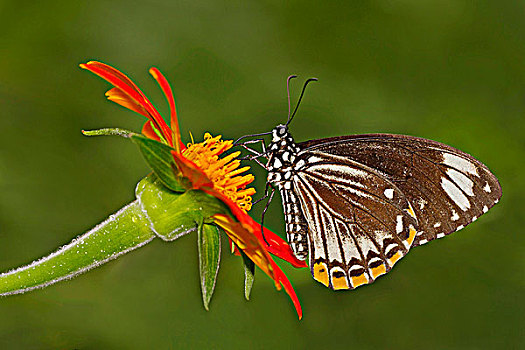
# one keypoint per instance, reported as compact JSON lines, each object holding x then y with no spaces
{"x":447,"y":188}
{"x":360,"y":222}
{"x":360,"y":202}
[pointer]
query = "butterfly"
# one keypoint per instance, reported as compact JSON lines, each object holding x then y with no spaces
{"x":355,"y":205}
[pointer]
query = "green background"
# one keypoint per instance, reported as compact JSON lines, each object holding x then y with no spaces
{"x":452,"y":71}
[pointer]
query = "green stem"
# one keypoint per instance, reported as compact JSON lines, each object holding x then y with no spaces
{"x":157,"y":212}
{"x":122,"y":232}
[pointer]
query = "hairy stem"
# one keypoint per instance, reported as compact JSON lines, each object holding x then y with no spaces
{"x":126,"y":230}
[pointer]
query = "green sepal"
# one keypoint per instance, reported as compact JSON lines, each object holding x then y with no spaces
{"x":176,"y":214}
{"x":249,"y":274}
{"x":109,"y":132}
{"x":159,"y":158}
{"x":209,"y":243}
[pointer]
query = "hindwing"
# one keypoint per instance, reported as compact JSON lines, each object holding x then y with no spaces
{"x":360,"y":223}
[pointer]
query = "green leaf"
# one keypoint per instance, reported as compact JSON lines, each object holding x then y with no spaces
{"x":209,"y":242}
{"x":249,"y":275}
{"x":157,"y":155}
{"x":159,"y":158}
{"x":109,"y":132}
{"x":124,"y":231}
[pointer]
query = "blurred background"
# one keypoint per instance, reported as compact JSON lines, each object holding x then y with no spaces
{"x":452,"y":71}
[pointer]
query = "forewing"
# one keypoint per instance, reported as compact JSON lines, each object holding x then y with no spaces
{"x":448,"y":189}
{"x":360,"y":223}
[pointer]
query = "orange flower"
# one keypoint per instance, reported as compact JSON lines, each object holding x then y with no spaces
{"x":202,"y":168}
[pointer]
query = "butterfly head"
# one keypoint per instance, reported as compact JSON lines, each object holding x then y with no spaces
{"x":282,"y":141}
{"x":279,"y":132}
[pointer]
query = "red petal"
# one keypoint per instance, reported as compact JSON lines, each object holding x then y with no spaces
{"x":120,"y":97}
{"x":166,"y":88}
{"x":249,"y":244}
{"x":192,"y":172}
{"x":245,"y":239}
{"x":125,"y":84}
{"x":289,"y":289}
{"x":147,"y":130}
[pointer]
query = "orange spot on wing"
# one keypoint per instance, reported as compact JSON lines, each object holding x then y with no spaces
{"x":378,"y":271}
{"x":340,"y":282}
{"x":359,"y":280}
{"x":411,"y":211}
{"x":411,"y":235}
{"x":321,"y":273}
{"x":395,"y":258}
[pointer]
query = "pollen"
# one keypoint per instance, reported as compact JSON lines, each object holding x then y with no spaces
{"x":225,"y":172}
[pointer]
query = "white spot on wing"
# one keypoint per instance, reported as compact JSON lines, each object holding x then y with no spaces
{"x":455,"y":194}
{"x":313,"y":159}
{"x":459,"y":163}
{"x":440,"y":235}
{"x":390,"y":247}
{"x":454,"y":216}
{"x":389,"y":193}
{"x":423,"y":241}
{"x":366,"y":244}
{"x":437,"y":224}
{"x":461,"y":181}
{"x":299,"y":164}
{"x":338,"y":171}
{"x":485,"y":209}
{"x":459,"y":227}
{"x":399,"y":224}
{"x":487,"y":188}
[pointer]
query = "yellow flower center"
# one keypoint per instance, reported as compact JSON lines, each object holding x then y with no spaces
{"x":223,"y":172}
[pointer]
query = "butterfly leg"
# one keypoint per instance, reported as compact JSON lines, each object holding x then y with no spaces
{"x":254,"y":158}
{"x":270,"y":197}
{"x":255,"y":154}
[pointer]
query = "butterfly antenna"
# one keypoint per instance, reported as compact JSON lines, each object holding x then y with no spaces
{"x":288,"y":93}
{"x":300,"y":98}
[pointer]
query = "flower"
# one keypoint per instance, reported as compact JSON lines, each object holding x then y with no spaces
{"x":224,"y":172}
{"x":201,"y":167}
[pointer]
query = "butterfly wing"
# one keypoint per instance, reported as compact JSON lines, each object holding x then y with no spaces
{"x":447,"y":188}
{"x":360,"y":223}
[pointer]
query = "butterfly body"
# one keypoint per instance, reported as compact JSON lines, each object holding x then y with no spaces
{"x":354,"y":205}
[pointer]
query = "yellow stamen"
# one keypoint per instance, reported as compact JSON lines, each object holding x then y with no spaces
{"x":223,"y":172}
